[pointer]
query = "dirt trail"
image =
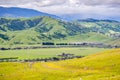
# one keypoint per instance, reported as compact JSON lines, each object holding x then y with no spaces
{"x":30,"y":65}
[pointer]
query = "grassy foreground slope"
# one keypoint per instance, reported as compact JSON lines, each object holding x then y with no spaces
{"x":101,"y":66}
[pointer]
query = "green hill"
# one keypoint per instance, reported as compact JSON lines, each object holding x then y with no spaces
{"x":43,"y":29}
{"x":114,"y":42}
{"x":107,"y":27}
{"x":100,"y":66}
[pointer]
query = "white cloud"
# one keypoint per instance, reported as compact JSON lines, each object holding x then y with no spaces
{"x":86,"y":8}
{"x":59,"y":2}
{"x":95,"y":2}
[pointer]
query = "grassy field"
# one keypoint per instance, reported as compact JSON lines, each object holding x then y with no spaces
{"x":100,"y":66}
{"x":48,"y":52}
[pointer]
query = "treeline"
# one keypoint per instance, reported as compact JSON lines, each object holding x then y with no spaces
{"x":61,"y":45}
{"x":38,"y":59}
{"x":28,"y":47}
{"x":51,"y":43}
{"x":79,"y":44}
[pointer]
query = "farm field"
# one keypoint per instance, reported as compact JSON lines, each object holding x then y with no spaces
{"x":48,"y":52}
{"x":101,"y":66}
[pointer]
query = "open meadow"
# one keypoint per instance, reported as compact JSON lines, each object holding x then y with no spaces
{"x":101,"y":66}
{"x":48,"y":52}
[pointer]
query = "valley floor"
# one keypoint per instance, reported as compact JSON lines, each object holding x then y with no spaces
{"x":48,"y":52}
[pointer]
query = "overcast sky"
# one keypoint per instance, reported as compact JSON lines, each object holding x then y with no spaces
{"x":86,"y":8}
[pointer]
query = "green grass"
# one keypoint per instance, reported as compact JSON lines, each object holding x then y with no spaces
{"x":100,"y":66}
{"x":30,"y":37}
{"x":115,"y":42}
{"x":47,"y":52}
{"x":88,"y":37}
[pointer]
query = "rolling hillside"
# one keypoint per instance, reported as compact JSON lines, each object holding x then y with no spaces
{"x":114,"y":42}
{"x":41,"y":29}
{"x":36,"y":30}
{"x":106,"y":27}
{"x":100,"y":66}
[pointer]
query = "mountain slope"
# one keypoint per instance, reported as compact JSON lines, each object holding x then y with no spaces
{"x":115,"y":42}
{"x":106,"y":27}
{"x":40,"y":29}
{"x":43,"y":29}
{"x":101,"y":66}
{"x":16,"y":12}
